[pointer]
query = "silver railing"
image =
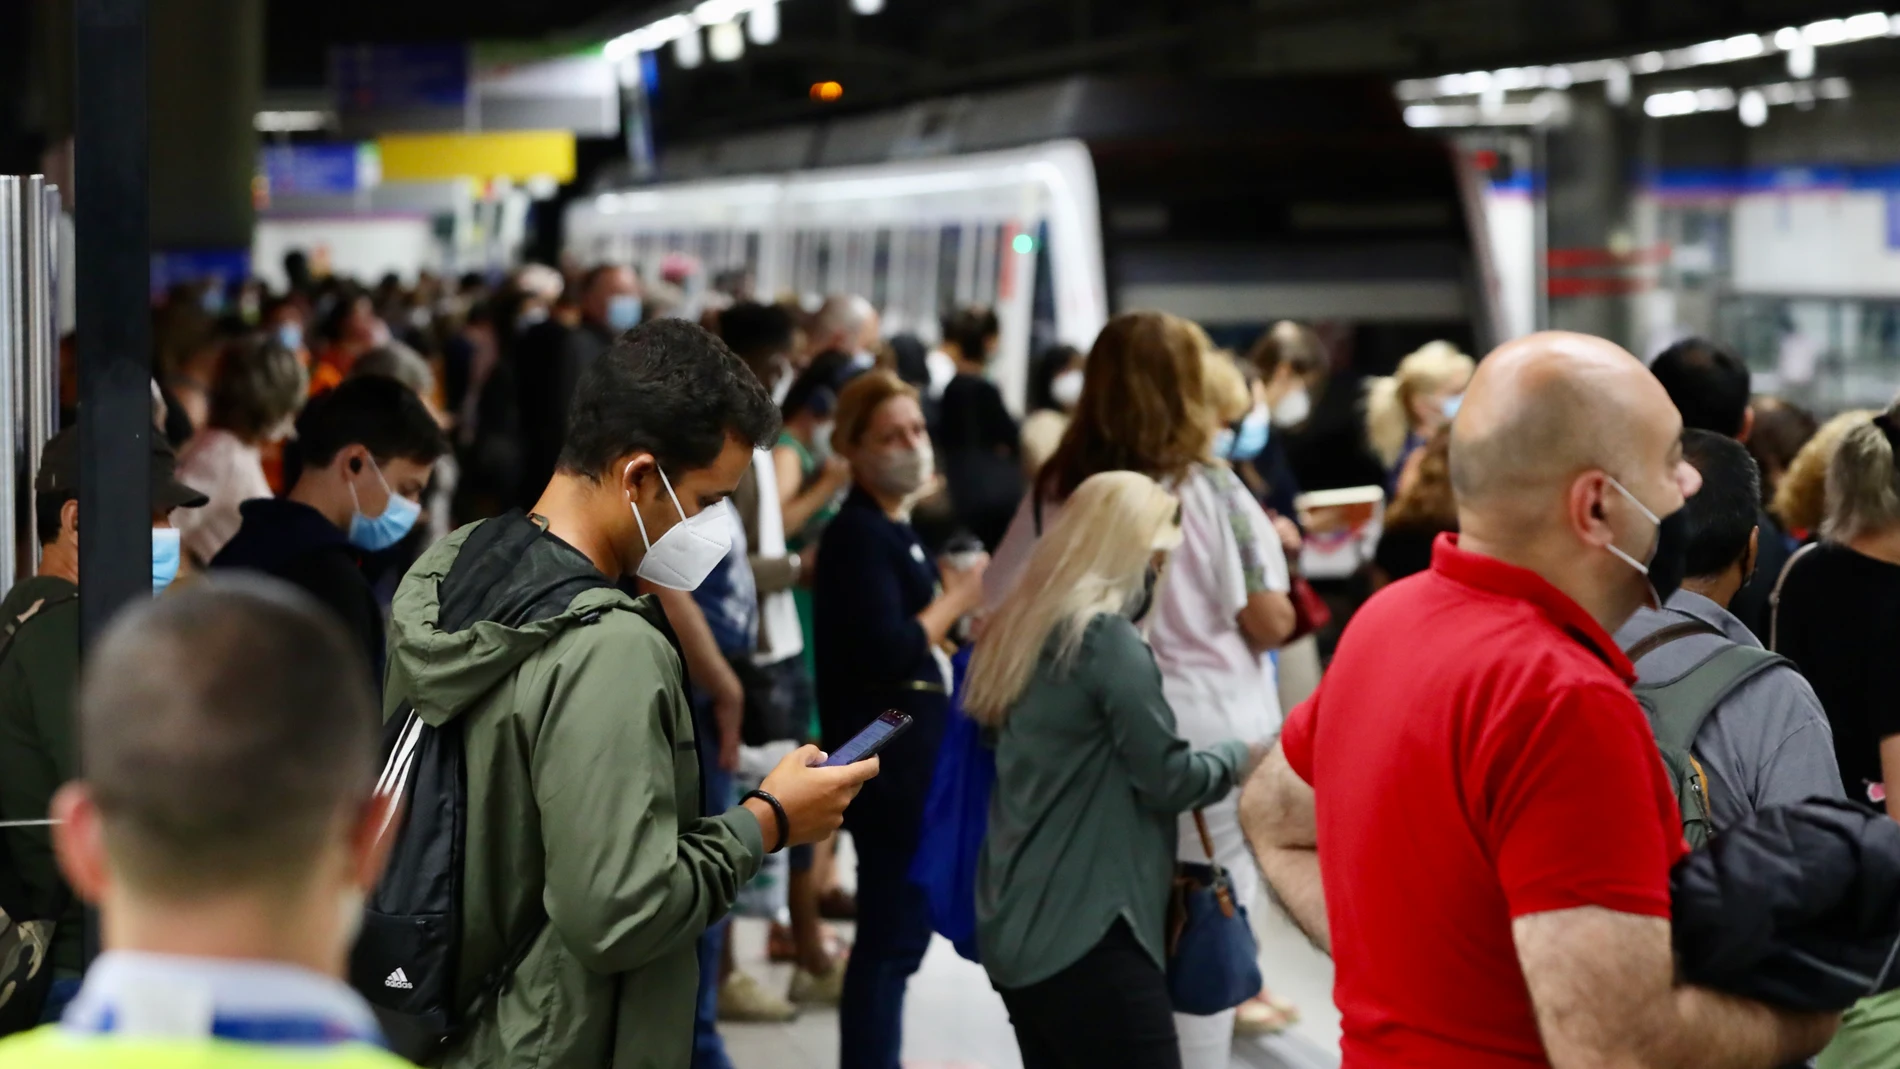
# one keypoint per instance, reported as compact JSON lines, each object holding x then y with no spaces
{"x":29,"y":353}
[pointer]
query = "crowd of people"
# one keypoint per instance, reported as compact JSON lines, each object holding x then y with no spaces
{"x":620,"y":570}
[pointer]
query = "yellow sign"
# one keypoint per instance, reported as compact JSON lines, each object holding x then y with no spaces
{"x":519,"y":154}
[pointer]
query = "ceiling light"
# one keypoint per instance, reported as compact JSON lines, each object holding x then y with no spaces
{"x":725,"y":41}
{"x":867,"y":7}
{"x":762,"y":24}
{"x":688,"y":51}
{"x":1862,"y":27}
{"x":1752,"y":109}
{"x":1801,"y":60}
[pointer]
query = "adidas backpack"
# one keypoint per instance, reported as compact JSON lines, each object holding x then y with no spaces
{"x":1677,"y":709}
{"x":408,"y":958}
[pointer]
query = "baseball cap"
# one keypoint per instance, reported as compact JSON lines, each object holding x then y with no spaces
{"x":59,"y":471}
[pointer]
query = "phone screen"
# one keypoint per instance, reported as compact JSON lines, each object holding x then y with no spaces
{"x":870,"y":740}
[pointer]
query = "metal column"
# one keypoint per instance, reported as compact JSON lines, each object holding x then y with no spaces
{"x":113,"y":204}
{"x":12,"y":354}
{"x":36,"y":409}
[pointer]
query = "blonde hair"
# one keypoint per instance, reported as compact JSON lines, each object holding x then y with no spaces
{"x":1801,"y":496}
{"x":859,"y":401}
{"x":1435,"y":366}
{"x":1143,"y":406}
{"x":1092,"y":561}
{"x":1228,"y":397}
{"x":1862,"y":494}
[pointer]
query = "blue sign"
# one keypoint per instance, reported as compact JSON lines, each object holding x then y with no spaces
{"x":315,"y":169}
{"x":368,"y":78}
{"x":224,"y":267}
{"x":1893,"y":219}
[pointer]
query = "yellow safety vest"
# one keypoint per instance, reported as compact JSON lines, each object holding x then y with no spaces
{"x":53,"y":1047}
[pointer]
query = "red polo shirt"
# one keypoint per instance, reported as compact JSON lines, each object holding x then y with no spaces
{"x":1476,"y":756}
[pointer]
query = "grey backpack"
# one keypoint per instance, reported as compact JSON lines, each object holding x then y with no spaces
{"x":1677,"y":709}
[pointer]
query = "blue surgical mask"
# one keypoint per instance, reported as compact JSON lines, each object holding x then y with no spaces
{"x":373,"y":534}
{"x":1452,"y":404}
{"x":165,"y":555}
{"x":623,"y":312}
{"x":290,"y":336}
{"x":1252,"y":436}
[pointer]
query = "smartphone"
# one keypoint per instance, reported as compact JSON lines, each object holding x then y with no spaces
{"x":872,"y":739}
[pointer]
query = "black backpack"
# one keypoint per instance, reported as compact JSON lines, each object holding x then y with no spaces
{"x":408,"y":958}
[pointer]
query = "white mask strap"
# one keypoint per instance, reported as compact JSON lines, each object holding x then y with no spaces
{"x":635,"y":505}
{"x":1640,"y":507}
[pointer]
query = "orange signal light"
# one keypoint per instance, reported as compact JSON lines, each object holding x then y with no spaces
{"x":826,"y":91}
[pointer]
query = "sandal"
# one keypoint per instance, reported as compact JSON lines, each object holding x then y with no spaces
{"x":1264,"y":1015}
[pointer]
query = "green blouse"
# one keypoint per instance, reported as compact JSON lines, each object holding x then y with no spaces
{"x":1090,"y":777}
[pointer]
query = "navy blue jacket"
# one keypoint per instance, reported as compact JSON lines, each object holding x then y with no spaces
{"x":873,"y":579}
{"x":298,"y":544}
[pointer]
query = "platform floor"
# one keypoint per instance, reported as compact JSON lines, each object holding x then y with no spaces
{"x":953,"y":1020}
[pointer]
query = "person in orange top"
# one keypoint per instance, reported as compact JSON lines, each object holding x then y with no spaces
{"x":353,"y":329}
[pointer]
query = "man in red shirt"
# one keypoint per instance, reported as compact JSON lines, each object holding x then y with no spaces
{"x":1497,"y":826}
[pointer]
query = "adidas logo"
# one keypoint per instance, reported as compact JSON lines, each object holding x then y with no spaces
{"x":398,"y":981}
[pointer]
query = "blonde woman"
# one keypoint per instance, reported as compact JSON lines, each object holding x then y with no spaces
{"x":1404,"y":410}
{"x":1800,"y":501}
{"x":1073,"y":884}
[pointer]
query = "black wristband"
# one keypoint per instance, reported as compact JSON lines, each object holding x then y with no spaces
{"x":778,"y":811}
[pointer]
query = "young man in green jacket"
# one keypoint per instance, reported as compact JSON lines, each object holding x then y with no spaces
{"x":583,"y":783}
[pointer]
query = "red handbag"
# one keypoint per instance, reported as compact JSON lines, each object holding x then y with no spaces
{"x":1310,"y":612}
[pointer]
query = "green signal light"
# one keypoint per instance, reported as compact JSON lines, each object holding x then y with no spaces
{"x":1024,"y":244}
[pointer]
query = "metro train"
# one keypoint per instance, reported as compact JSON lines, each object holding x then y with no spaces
{"x":1059,"y":204}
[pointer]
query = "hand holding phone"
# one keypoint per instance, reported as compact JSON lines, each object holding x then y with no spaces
{"x":814,"y":796}
{"x":873,"y":738}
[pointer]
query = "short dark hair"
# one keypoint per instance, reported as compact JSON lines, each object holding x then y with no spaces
{"x":1721,"y":515}
{"x":1708,"y":383}
{"x":971,"y":329}
{"x":47,"y":505}
{"x":382,"y":415}
{"x":756,"y":331}
{"x":223,"y":731}
{"x":670,"y":388}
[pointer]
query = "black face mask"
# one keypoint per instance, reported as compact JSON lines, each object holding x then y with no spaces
{"x":1671,"y":558}
{"x":1144,"y":601}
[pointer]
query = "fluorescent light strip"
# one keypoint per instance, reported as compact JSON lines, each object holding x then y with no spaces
{"x":1738,"y":48}
{"x":658,"y":34}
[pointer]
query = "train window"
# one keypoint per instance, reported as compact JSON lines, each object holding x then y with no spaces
{"x":822,"y":261}
{"x":750,"y":254}
{"x":1042,"y":302}
{"x":949,"y":267}
{"x":983,"y":286}
{"x":881,"y":268}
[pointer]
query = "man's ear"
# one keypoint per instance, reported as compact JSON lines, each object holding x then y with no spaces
{"x":79,"y":841}
{"x":1748,"y":424}
{"x":69,"y":517}
{"x":635,"y":468}
{"x":1752,"y":557}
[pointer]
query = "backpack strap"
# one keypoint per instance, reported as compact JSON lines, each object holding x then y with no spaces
{"x":1679,"y":707}
{"x":1666,"y":634}
{"x":1774,"y":596}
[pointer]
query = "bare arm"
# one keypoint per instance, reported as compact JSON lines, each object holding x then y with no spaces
{"x":962,"y":593}
{"x":706,"y":667}
{"x":1276,"y":813}
{"x":1266,"y":620}
{"x":1603,"y":984}
{"x":796,"y":506}
{"x":1890,"y":773}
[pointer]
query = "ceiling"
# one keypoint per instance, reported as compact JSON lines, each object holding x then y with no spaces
{"x":916,"y":48}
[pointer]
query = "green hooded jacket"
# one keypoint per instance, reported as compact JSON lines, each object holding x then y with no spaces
{"x":583,"y":802}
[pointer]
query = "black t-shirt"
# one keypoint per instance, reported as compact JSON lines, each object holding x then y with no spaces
{"x":1406,"y":549}
{"x":1840,"y":624}
{"x":981,"y":456}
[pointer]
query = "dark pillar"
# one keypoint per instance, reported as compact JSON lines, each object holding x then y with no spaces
{"x":1587,"y":205}
{"x":207,"y":77}
{"x":114,"y":254}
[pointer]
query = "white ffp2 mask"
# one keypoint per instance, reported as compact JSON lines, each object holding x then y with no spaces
{"x":689,"y":550}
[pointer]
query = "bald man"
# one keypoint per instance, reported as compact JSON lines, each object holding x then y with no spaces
{"x":845,"y":323}
{"x":1498,"y":828}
